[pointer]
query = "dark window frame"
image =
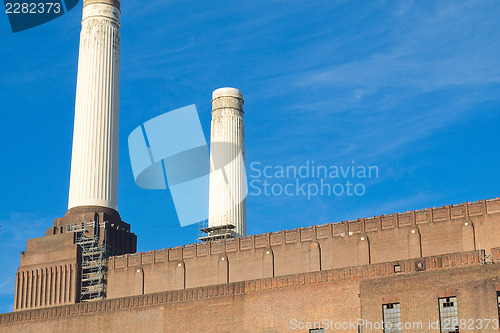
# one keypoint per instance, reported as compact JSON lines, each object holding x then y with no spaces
{"x":448,"y":313}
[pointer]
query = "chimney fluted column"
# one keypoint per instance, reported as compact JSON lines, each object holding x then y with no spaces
{"x":94,"y":163}
{"x":227,"y":203}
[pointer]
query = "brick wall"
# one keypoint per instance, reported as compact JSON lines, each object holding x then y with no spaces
{"x":49,"y":270}
{"x":428,"y":232}
{"x":278,"y":304}
{"x":49,"y":273}
{"x":474,"y":287}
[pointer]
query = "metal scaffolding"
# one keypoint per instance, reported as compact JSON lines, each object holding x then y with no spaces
{"x":95,"y":252}
{"x":215,"y":233}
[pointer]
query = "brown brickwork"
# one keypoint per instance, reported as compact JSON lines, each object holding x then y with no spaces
{"x":50,"y":268}
{"x":282,"y":303}
{"x":428,"y":232}
{"x":273,"y":282}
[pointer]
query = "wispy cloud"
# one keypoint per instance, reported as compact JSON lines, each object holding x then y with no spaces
{"x":376,"y":96}
{"x":453,"y":44}
{"x":435,"y":65}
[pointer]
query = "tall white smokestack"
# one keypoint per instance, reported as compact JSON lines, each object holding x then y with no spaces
{"x":92,"y":221}
{"x":227,"y":203}
{"x":94,"y":163}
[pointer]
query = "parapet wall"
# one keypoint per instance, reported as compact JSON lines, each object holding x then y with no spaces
{"x":271,"y":305}
{"x":415,"y":234}
{"x":349,"y":275}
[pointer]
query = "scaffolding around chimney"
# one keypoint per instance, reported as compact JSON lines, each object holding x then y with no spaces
{"x":91,"y":237}
{"x":215,"y":233}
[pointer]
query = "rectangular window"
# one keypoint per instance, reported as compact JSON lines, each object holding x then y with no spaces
{"x":448,"y":314}
{"x":317,"y":330}
{"x":498,"y":301}
{"x":392,"y":318}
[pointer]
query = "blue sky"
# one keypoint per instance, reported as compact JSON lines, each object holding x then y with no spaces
{"x":412,"y":87}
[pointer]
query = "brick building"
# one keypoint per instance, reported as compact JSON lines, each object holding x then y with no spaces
{"x":425,"y":270}
{"x":432,"y":270}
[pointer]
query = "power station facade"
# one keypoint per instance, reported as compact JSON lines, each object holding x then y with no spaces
{"x":431,"y":270}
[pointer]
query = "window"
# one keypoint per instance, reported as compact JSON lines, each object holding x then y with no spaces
{"x":448,"y":314}
{"x":498,"y":301}
{"x":317,"y":330}
{"x":392,"y":318}
{"x":397,"y":268}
